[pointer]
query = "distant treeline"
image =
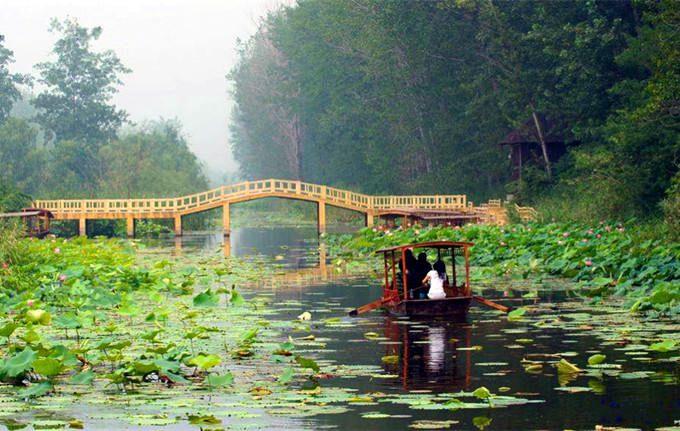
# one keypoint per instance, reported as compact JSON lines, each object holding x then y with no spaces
{"x":70,"y":141}
{"x":406,"y":96}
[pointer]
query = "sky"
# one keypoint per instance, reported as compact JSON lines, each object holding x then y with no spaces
{"x":179,"y":52}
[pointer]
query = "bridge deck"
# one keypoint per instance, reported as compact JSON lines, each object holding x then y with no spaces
{"x":131,"y":209}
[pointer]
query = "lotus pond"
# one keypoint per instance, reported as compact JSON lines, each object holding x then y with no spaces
{"x":111,"y":334}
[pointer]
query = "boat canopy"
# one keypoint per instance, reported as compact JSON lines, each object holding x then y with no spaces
{"x":431,"y":244}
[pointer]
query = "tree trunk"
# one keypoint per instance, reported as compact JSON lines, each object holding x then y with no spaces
{"x":544,"y":146}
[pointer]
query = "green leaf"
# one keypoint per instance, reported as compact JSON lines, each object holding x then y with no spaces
{"x":482,"y":393}
{"x":143,"y":368}
{"x":663,"y":346}
{"x":287,"y":375}
{"x":48,"y":367}
{"x":46,"y":269}
{"x":204,"y":420}
{"x":236,"y":299}
{"x":20,"y":363}
{"x":566,"y":367}
{"x":36,"y":390}
{"x":602,"y":281}
{"x":217,"y":381}
{"x":83,"y":378}
{"x":596,"y":359}
{"x":307,"y":363}
{"x":206,"y":362}
{"x":248,"y":335}
{"x":517,"y":314}
{"x":390,"y":359}
{"x":206,"y":299}
{"x":8,"y":329}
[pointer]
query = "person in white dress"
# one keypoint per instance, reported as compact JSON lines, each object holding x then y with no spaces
{"x":436,"y":277}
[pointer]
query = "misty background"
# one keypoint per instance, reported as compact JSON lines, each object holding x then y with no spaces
{"x":179,"y":53}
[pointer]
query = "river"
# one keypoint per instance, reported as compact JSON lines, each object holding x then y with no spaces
{"x":413,"y":373}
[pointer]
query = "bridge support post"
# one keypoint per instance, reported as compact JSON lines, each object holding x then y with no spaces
{"x":178,"y":225}
{"x":226,"y":219}
{"x":322,"y":217}
{"x":82,"y":226}
{"x":130,"y":227}
{"x":369,"y":220}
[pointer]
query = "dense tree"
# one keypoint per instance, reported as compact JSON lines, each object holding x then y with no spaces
{"x":22,"y":160}
{"x":151,"y":162}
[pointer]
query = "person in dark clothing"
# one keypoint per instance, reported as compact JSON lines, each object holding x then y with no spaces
{"x":411,"y":269}
{"x":422,"y":268}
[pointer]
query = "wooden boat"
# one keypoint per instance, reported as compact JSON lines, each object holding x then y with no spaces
{"x":402,"y":295}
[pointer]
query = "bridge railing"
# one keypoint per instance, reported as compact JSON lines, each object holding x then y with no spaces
{"x":212,"y":198}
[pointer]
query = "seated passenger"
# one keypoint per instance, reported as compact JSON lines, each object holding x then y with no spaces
{"x":437,"y":277}
{"x":423,"y":267}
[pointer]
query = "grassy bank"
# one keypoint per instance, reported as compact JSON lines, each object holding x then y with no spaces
{"x":605,"y":258}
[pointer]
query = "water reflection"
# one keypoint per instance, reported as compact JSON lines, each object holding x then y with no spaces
{"x":294,"y":248}
{"x":428,"y":354}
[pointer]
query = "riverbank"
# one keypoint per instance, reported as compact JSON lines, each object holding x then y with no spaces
{"x":605,"y":258}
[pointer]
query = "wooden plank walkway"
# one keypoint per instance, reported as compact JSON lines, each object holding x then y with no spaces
{"x":175,"y":208}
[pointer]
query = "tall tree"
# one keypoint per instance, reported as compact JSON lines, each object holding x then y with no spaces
{"x":80,"y":83}
{"x":9,"y":82}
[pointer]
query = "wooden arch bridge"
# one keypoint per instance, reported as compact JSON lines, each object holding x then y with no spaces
{"x":452,"y":207}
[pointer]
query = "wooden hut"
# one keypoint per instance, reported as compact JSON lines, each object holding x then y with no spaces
{"x":525,"y":146}
{"x":36,"y":220}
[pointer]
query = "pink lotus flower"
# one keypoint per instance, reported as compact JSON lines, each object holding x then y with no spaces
{"x":559,"y":243}
{"x":457,"y":227}
{"x":62,"y":277}
{"x":57,"y":250}
{"x":620,"y":229}
{"x":375,"y":230}
{"x":502,"y":244}
{"x":5,"y":266}
{"x":30,"y":303}
{"x":599,"y":236}
{"x":590,"y":232}
{"x":584,"y":240}
{"x":408,"y":224}
{"x":607,"y":228}
{"x":589,"y":262}
{"x":565,"y":234}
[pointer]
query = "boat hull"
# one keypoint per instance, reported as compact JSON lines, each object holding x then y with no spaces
{"x":454,"y":308}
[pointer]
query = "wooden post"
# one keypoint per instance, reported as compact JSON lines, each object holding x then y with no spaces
{"x":467,"y":272}
{"x":178,"y":225}
{"x":453,"y":266}
{"x":403,"y":270}
{"x":226,"y":218}
{"x":404,"y":222}
{"x":227,"y":245}
{"x":82,"y":226}
{"x":130,"y":227}
{"x":369,"y":220}
{"x":178,"y":246}
{"x":322,"y":216}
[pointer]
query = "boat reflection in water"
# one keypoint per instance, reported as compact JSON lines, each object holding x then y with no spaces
{"x":429,"y":355}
